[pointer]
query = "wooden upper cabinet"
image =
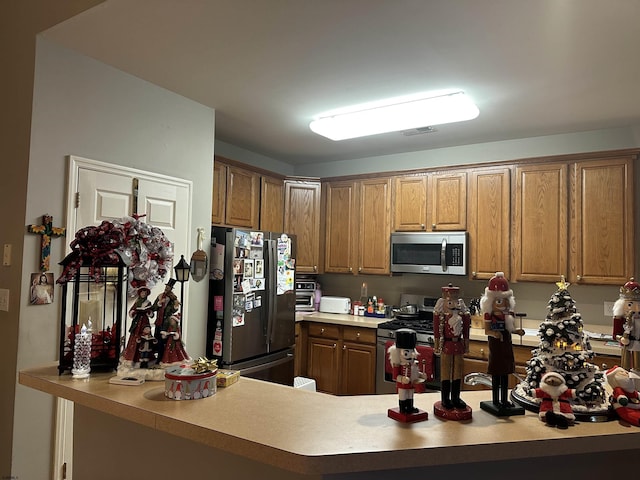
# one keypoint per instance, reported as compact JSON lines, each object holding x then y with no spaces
{"x":243,"y":197}
{"x":341,"y":209}
{"x":489,"y":222}
{"x":448,"y":201}
{"x":410,"y":206}
{"x":219,"y":193}
{"x":375,"y":222}
{"x":540,"y":234}
{"x":302,"y":219}
{"x":272,"y":204}
{"x":602,"y":226}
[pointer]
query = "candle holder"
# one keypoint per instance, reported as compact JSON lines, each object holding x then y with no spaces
{"x":96,"y":294}
{"x":82,"y":354}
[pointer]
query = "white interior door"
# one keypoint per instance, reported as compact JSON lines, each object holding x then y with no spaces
{"x":100,"y":191}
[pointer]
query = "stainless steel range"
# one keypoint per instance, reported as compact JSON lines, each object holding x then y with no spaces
{"x":422,"y":323}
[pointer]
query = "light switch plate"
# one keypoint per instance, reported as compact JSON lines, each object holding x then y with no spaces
{"x":6,"y":255}
{"x":4,"y":299}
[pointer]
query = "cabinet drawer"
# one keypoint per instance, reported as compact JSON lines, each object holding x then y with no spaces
{"x":479,"y":350}
{"x":324,"y":330}
{"x":361,"y":335}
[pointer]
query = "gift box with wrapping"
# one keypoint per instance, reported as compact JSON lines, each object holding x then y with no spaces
{"x":227,"y":377}
{"x":183,"y":383}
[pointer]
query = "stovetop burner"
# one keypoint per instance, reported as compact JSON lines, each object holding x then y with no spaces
{"x":420,"y":325}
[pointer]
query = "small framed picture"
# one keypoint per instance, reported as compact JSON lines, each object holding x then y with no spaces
{"x":41,"y":290}
{"x":258,"y":270}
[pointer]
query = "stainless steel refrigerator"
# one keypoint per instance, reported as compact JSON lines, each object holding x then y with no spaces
{"x":251,"y":321}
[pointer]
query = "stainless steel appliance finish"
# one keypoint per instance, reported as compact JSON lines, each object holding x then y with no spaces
{"x":252,"y":300}
{"x":422,"y":323}
{"x":429,"y":252}
{"x":305,"y":295}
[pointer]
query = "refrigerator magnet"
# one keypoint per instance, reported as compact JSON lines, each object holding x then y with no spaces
{"x":238,"y":320}
{"x":248,"y":268}
{"x":258,"y":269}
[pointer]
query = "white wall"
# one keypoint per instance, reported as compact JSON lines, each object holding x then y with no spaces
{"x":85,"y":108}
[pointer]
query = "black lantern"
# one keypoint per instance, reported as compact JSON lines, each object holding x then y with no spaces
{"x":182,"y":270}
{"x":94,"y":297}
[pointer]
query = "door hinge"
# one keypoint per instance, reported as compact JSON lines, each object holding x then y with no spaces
{"x":77,"y":199}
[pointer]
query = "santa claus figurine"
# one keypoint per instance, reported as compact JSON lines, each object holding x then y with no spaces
{"x":626,"y":324}
{"x":555,"y":406}
{"x":625,"y":399}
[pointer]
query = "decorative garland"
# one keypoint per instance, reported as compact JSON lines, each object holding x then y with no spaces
{"x":142,"y":247}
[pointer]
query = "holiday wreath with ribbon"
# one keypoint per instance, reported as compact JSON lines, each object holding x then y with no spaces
{"x":142,"y":247}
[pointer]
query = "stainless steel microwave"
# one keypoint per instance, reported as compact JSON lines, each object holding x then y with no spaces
{"x":429,"y":252}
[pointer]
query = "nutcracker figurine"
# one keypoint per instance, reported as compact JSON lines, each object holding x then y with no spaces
{"x":497,"y":306}
{"x":626,"y":324}
{"x":402,"y":356}
{"x":451,"y":325}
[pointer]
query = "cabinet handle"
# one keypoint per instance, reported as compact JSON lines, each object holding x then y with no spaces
{"x":322,"y":331}
{"x":359,"y":269}
{"x":579,"y":277}
{"x":433,"y":226}
{"x":474,"y":274}
{"x":358,"y":335}
{"x":350,"y":269}
{"x":423,"y":226}
{"x":334,"y":345}
{"x":315,"y":268}
{"x":482,"y":352}
{"x":344,"y":347}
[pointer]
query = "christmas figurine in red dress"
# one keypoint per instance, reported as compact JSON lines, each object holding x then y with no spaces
{"x":402,"y":356}
{"x":451,"y":325}
{"x":141,"y":311}
{"x":174,"y":348}
{"x":555,"y":404}
{"x":626,"y":324}
{"x":497,"y":305}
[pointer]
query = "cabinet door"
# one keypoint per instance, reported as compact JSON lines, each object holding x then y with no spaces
{"x":375,"y":226}
{"x":539,"y":249}
{"x":448,"y":201}
{"x":302,"y":219}
{"x":323,"y":364}
{"x":603,"y":224}
{"x":219,"y":192}
{"x":410,"y":196}
{"x":489,"y":222}
{"x":341,"y":205}
{"x":272,"y":204}
{"x":242,"y":198}
{"x":358,"y":370}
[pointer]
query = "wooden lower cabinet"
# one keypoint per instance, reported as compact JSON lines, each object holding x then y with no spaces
{"x":478,"y":357}
{"x":341,"y":359}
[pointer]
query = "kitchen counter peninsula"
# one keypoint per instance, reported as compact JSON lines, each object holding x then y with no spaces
{"x":263,"y":430}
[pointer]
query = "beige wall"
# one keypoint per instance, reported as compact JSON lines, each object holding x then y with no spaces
{"x":19,"y":24}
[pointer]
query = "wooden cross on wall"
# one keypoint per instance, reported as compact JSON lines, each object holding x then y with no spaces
{"x":46,"y":230}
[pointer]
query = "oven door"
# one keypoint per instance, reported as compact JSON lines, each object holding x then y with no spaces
{"x":428,"y":363}
{"x":304,"y":301}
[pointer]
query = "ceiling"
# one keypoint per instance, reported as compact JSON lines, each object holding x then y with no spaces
{"x":533,"y":68}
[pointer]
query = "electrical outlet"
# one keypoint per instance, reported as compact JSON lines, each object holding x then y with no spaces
{"x":608,"y":309}
{"x":4,"y":300}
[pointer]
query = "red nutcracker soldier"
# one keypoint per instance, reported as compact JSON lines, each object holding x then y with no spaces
{"x":402,"y":357}
{"x":451,"y":324}
{"x":626,"y":324}
{"x":497,"y":305}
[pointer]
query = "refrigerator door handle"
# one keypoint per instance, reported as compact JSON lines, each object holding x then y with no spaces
{"x":272,"y":283}
{"x":256,"y":368}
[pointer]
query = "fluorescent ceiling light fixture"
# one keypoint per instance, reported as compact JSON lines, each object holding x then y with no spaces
{"x":395,"y":114}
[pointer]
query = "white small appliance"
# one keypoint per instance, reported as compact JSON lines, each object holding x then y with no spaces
{"x":335,"y":304}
